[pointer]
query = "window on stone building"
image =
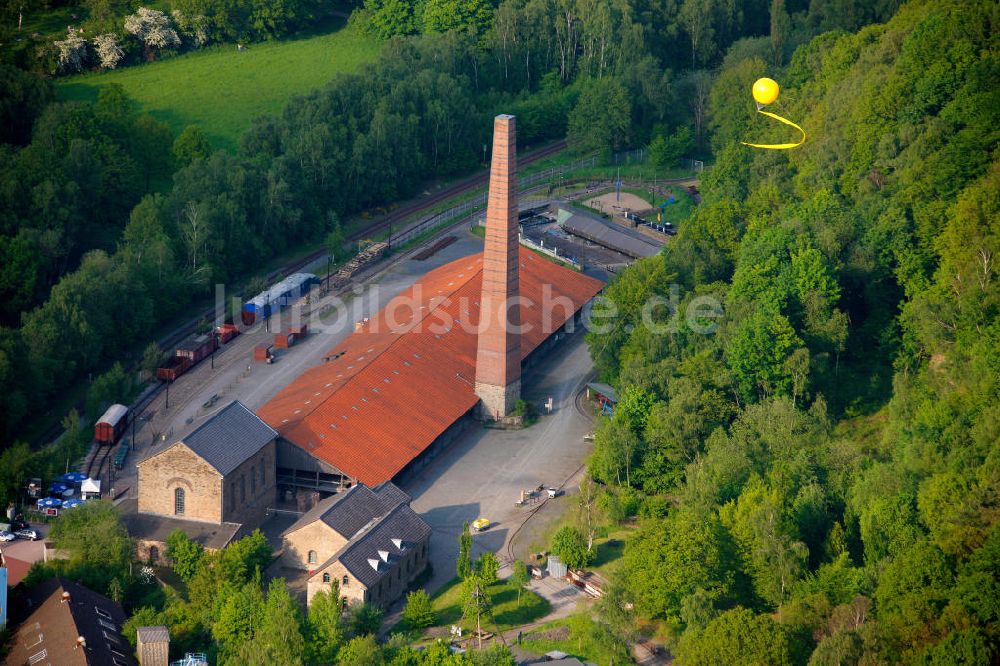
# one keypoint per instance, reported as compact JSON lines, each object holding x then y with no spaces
{"x":243,"y":489}
{"x":232,"y":496}
{"x":253,"y":481}
{"x":326,"y":578}
{"x":312,"y":557}
{"x":344,"y":583}
{"x":179,"y":501}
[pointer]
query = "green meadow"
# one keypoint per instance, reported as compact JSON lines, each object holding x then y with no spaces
{"x":222,"y":90}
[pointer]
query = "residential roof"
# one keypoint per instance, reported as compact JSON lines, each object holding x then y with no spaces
{"x":390,"y":389}
{"x":347,"y":512}
{"x":49,"y":634}
{"x":608,"y":234}
{"x":230,"y":437}
{"x":16,"y":569}
{"x":378,"y":547}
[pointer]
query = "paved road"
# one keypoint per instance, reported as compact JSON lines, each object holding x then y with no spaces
{"x":236,"y":377}
{"x":484,"y":471}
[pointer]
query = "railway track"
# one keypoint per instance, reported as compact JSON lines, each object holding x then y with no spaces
{"x":384,"y":224}
{"x":176,"y":336}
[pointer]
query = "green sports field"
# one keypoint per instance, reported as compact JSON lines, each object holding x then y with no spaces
{"x":222,"y":90}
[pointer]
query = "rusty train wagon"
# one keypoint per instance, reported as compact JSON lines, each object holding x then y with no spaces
{"x":109,"y":428}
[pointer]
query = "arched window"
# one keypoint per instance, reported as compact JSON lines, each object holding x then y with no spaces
{"x":326,"y":578}
{"x":344,"y":584}
{"x":154,"y":554}
{"x":312,"y":557}
{"x":179,"y":501}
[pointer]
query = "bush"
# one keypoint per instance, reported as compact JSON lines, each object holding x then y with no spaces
{"x":419,"y":613}
{"x":184,"y":553}
{"x":570,"y":546}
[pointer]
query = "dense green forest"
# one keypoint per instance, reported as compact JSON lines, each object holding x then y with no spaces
{"x":104,"y":211}
{"x":819,"y":478}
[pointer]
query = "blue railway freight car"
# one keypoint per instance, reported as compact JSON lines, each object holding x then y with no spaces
{"x":273,"y":299}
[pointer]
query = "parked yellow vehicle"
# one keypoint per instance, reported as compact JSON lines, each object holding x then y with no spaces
{"x":480,"y":524}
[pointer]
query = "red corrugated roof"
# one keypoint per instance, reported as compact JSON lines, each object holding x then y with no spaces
{"x":391,"y":388}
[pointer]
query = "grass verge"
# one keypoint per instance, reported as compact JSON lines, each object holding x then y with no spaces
{"x":507,"y":612}
{"x":578,"y":636}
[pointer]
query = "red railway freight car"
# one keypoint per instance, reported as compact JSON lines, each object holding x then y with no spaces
{"x":289,"y":337}
{"x":262,"y":352}
{"x":173,"y":368}
{"x":198,"y":347}
{"x":227,"y":332}
{"x":110,"y":426}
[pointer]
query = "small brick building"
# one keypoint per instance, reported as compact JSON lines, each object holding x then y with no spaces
{"x":221,"y":472}
{"x":367,"y":540}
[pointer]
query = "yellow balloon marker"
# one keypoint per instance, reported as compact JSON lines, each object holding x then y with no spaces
{"x":765,"y":91}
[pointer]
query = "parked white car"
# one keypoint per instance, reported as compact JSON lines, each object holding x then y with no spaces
{"x":27,"y":533}
{"x":6,"y":536}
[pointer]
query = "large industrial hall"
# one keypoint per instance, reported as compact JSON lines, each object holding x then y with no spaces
{"x":408,"y":379}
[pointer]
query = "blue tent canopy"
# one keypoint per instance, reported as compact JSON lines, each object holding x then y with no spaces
{"x":73,"y":477}
{"x":69,"y":504}
{"x":49,"y":503}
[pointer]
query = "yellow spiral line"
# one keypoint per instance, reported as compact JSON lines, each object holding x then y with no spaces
{"x":778,"y":146}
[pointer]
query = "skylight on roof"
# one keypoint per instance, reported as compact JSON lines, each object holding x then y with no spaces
{"x":373,"y":563}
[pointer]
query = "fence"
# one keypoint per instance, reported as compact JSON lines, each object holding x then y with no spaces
{"x":552,"y":252}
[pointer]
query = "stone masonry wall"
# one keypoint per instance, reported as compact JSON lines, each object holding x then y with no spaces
{"x":179,"y":467}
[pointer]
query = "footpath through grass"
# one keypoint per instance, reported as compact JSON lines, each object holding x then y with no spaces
{"x":222,"y":90}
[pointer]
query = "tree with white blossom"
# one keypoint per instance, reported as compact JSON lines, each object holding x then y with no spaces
{"x":108,"y":50}
{"x":153,"y":29}
{"x":192,"y":27}
{"x":72,"y":51}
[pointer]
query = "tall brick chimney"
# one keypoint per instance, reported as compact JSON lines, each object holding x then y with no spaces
{"x":498,"y":355}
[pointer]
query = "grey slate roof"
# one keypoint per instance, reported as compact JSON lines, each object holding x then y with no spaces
{"x":608,"y":234}
{"x":230,"y":437}
{"x":154,"y":634}
{"x":349,"y":511}
{"x":392,"y":493}
{"x":400,"y":523}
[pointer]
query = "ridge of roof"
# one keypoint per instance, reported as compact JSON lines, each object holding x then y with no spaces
{"x":359,"y":571}
{"x":316,"y":513}
{"x":389,"y":392}
{"x":229,"y":437}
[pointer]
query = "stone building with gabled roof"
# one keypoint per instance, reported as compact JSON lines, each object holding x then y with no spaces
{"x":223,"y":471}
{"x":367,"y":540}
{"x":66,"y":624}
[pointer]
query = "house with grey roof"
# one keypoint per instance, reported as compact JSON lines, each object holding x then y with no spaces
{"x":222,"y":472}
{"x":367,"y":542}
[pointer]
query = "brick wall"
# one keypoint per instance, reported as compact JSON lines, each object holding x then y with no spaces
{"x":317,"y":536}
{"x":179,"y":467}
{"x":498,"y":350}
